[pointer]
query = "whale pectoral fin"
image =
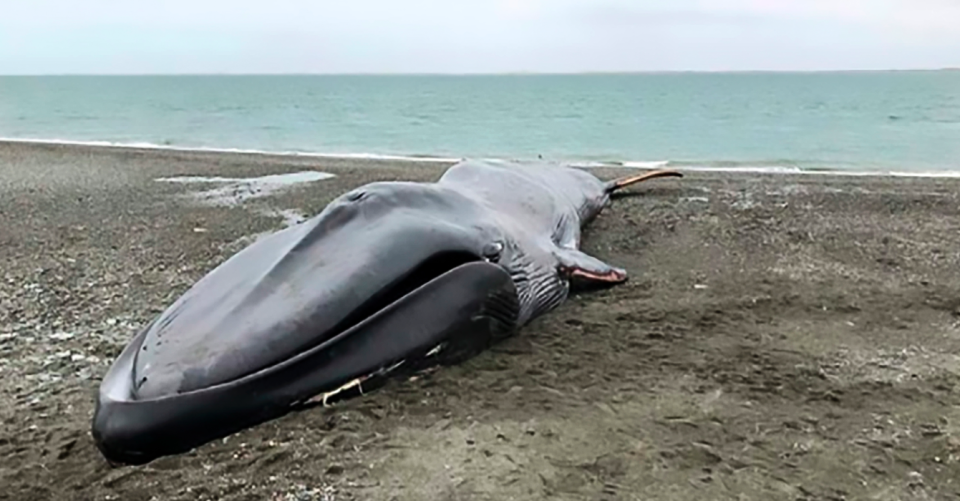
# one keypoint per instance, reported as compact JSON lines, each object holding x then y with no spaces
{"x":584,"y":270}
{"x":623,"y":182}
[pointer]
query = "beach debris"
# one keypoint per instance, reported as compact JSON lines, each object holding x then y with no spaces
{"x":61,"y":336}
{"x":435,"y":350}
{"x":744,"y":201}
{"x":323,"y":397}
{"x":304,"y":493}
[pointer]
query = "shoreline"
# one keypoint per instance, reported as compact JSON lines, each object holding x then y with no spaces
{"x":744,"y":168}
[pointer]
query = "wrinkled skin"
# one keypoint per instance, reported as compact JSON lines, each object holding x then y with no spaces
{"x":540,"y":210}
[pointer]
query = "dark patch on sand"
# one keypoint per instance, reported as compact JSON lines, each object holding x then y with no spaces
{"x":782,"y":337}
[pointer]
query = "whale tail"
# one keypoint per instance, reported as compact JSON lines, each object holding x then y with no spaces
{"x":623,"y":182}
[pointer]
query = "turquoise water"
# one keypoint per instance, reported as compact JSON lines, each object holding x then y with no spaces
{"x":904,"y":121}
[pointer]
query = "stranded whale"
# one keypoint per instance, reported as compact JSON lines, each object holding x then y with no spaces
{"x":389,"y":274}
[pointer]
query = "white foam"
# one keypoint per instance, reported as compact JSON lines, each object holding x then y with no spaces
{"x":592,"y":165}
{"x":746,"y":169}
{"x":273,"y":179}
{"x":658,"y":164}
{"x":204,"y":149}
{"x":235,"y":190}
{"x":655,"y":164}
{"x":950,"y":174}
{"x":797,"y":170}
{"x":780,"y":169}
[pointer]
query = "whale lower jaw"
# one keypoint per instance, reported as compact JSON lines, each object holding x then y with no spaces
{"x":464,"y":310}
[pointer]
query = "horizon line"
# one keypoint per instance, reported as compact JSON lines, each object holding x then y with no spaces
{"x":491,"y":73}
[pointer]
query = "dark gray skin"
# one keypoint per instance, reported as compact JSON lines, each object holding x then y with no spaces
{"x":388,"y":273}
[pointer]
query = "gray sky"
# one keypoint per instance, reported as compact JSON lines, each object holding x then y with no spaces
{"x":467,"y":36}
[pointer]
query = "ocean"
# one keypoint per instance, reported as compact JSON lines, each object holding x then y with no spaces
{"x":848,"y":122}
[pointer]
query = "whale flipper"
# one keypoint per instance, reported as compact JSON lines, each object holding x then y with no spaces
{"x":623,"y":182}
{"x":584,"y":270}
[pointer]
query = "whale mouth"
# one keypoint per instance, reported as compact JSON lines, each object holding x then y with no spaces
{"x":391,"y":296}
{"x":427,"y":271}
{"x":322,"y":305}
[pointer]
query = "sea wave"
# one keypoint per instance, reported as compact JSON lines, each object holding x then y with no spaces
{"x":245,"y":151}
{"x":772,"y":167}
{"x":767,"y":168}
{"x":798,"y":170}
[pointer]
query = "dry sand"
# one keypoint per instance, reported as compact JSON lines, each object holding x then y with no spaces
{"x":782,"y":337}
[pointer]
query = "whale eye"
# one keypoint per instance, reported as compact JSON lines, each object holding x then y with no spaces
{"x":356,"y":195}
{"x":491,"y":252}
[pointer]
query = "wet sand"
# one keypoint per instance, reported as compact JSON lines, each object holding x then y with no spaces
{"x":781,"y":337}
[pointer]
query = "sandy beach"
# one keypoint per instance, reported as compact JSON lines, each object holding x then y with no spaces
{"x":781,"y":337}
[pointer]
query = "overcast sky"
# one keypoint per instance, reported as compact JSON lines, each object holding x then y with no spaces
{"x":468,"y":36}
